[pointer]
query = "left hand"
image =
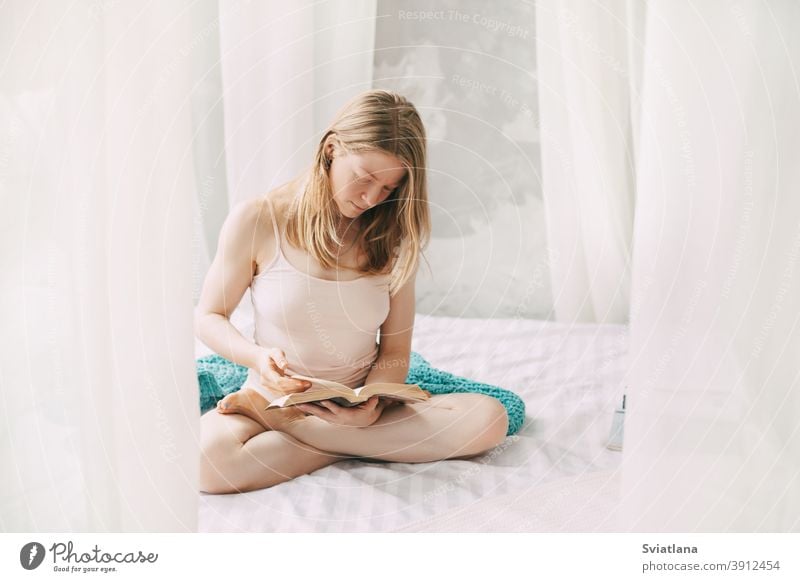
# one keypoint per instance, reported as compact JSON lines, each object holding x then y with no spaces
{"x":363,"y":414}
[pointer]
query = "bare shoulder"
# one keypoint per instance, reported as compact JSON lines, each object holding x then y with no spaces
{"x":260,"y":213}
{"x":279,"y":200}
{"x":247,"y":218}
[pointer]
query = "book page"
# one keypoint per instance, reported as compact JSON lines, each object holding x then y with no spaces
{"x":319,"y":382}
{"x":393,"y":391}
{"x":278,"y":401}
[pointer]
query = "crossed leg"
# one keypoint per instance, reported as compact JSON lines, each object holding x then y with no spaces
{"x":238,"y":455}
{"x":444,"y":427}
{"x":247,"y":447}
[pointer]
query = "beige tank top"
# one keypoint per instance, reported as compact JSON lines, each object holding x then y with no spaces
{"x":328,"y":329}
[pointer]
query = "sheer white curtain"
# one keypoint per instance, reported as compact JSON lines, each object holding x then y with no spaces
{"x":110,"y":164}
{"x":287,"y":68}
{"x":712,"y":437}
{"x":99,"y":393}
{"x":587,"y":78}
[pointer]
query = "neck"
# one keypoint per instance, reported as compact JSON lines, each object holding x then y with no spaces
{"x":347,"y":230}
{"x":347,"y":227}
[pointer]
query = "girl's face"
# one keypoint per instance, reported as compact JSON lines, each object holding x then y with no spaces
{"x":362,"y":180}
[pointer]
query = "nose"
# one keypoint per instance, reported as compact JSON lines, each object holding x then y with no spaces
{"x":371,"y":197}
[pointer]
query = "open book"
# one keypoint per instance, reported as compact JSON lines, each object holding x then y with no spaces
{"x":346,"y":396}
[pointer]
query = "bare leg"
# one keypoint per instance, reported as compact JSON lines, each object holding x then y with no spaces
{"x":444,"y":427}
{"x":239,"y":455}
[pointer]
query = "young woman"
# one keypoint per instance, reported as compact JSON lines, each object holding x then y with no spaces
{"x":331,"y":259}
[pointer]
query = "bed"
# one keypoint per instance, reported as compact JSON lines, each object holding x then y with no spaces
{"x":556,"y":474}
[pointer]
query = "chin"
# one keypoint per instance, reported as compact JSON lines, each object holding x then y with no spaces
{"x":346,"y":213}
{"x":350,"y":210}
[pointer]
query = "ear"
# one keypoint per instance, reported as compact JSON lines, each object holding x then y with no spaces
{"x":331,"y":147}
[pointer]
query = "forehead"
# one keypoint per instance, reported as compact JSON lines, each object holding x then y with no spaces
{"x":386,"y":167}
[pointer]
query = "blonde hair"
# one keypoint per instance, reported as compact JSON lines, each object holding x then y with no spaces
{"x":398,"y":229}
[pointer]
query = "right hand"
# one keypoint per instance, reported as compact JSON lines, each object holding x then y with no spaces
{"x":272,"y":372}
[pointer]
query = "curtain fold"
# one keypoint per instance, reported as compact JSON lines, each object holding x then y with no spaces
{"x":210,"y":203}
{"x":711,"y":438}
{"x":584,"y":82}
{"x":100,"y":429}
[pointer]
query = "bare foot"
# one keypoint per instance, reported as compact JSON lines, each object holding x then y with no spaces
{"x":252,"y":404}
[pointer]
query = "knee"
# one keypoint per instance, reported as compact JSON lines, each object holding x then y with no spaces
{"x":216,"y":454}
{"x":490,"y":419}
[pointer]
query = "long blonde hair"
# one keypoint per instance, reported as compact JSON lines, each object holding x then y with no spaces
{"x":398,"y":229}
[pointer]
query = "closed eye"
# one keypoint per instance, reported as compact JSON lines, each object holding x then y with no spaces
{"x":365,"y":179}
{"x":362,"y":179}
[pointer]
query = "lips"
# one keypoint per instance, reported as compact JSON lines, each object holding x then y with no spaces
{"x":357,"y":206}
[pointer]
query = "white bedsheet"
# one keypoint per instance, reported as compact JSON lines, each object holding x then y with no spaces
{"x":570,"y":377}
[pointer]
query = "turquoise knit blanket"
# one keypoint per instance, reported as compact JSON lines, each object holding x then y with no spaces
{"x":219,"y":377}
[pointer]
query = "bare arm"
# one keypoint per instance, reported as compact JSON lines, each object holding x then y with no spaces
{"x":227,"y":279}
{"x":394,"y":357}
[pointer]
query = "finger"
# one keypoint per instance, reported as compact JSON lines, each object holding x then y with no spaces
{"x":304,"y":408}
{"x":289,"y":386}
{"x":303,"y":384}
{"x":321,"y":412}
{"x":278,"y":359}
{"x":298,"y":385}
{"x":278,"y":383}
{"x":331,"y":405}
{"x":278,"y":364}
